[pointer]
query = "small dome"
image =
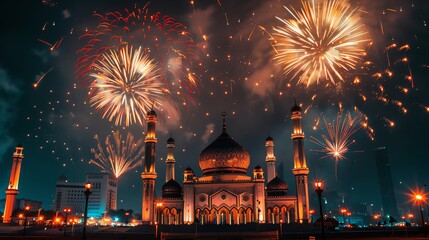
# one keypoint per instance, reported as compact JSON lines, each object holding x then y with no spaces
{"x":19,"y":145}
{"x":295,"y":108}
{"x":258,"y":169}
{"x":189,"y":170}
{"x":151,"y":112}
{"x":269,"y":138}
{"x":171,"y":189}
{"x":170,"y":141}
{"x":277,"y":187}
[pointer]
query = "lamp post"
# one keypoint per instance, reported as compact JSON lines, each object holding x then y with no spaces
{"x":319,"y":189}
{"x":281,"y":228}
{"x":419,"y":198}
{"x":26,"y":209}
{"x":343,"y":211}
{"x":66,"y":210}
{"x":85,"y":217}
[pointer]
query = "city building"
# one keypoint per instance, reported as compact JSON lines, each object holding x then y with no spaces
{"x":388,"y":197}
{"x":71,"y":195}
{"x":225,"y":194}
{"x":104,"y":193}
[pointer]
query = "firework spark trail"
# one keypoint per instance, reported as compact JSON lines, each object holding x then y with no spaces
{"x":336,"y":144}
{"x":127,"y":85}
{"x":321,"y":40}
{"x":117,"y":155}
{"x":36,"y":84}
{"x":164,"y":39}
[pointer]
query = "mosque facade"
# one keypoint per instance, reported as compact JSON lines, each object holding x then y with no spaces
{"x":225,"y":194}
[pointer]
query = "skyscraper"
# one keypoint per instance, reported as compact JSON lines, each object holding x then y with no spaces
{"x":388,"y":198}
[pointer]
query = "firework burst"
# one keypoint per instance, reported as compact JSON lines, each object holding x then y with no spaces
{"x":336,"y":144}
{"x":321,"y":40}
{"x":162,"y":38}
{"x":127,"y":84}
{"x":117,"y":155}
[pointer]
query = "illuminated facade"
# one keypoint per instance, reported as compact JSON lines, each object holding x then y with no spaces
{"x":12,"y":188}
{"x":149,"y":173}
{"x":225,"y":194}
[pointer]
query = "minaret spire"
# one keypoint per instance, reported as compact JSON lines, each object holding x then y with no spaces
{"x":270,"y":159}
{"x":170,"y":160}
{"x":224,"y":115}
{"x":12,"y":188}
{"x":300,"y":169}
{"x":149,"y":173}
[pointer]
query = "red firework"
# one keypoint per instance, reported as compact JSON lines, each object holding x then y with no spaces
{"x":162,"y":38}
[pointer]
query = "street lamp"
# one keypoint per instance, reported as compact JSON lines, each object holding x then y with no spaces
{"x":26,"y":209}
{"x":349,"y":216}
{"x":66,"y":210}
{"x":85,"y":217}
{"x":419,"y":198}
{"x":343,"y":211}
{"x":281,"y":228}
{"x":319,"y":189}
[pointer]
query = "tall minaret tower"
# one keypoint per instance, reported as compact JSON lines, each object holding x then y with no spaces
{"x":170,"y":160}
{"x":270,"y":159}
{"x":300,"y":169}
{"x":12,"y":188}
{"x":149,"y":173}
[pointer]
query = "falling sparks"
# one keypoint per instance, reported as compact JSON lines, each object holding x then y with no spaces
{"x":118,"y":155}
{"x":336,"y":144}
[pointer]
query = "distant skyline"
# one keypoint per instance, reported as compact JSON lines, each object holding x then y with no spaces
{"x":56,"y":125}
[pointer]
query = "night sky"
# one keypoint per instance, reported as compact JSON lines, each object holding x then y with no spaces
{"x":56,"y":125}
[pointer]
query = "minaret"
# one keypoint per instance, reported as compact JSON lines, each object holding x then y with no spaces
{"x":170,"y":160}
{"x":149,"y":173}
{"x":300,"y":169}
{"x":270,"y":159}
{"x":12,"y":189}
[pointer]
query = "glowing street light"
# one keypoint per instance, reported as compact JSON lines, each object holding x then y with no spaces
{"x":343,"y":211}
{"x":419,"y":198}
{"x":85,"y":217}
{"x":26,"y":209}
{"x":319,"y":189}
{"x":67,"y":211}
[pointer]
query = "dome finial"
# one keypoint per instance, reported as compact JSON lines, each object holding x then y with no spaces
{"x":224,"y":114}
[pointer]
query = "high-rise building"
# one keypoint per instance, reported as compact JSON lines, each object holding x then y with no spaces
{"x":388,"y":197}
{"x":102,"y":199}
{"x":69,"y":195}
{"x":12,"y":188}
{"x":104,"y":193}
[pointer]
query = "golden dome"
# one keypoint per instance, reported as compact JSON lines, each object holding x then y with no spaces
{"x":224,"y":155}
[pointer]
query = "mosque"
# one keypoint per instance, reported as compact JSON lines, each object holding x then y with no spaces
{"x":225,"y":194}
